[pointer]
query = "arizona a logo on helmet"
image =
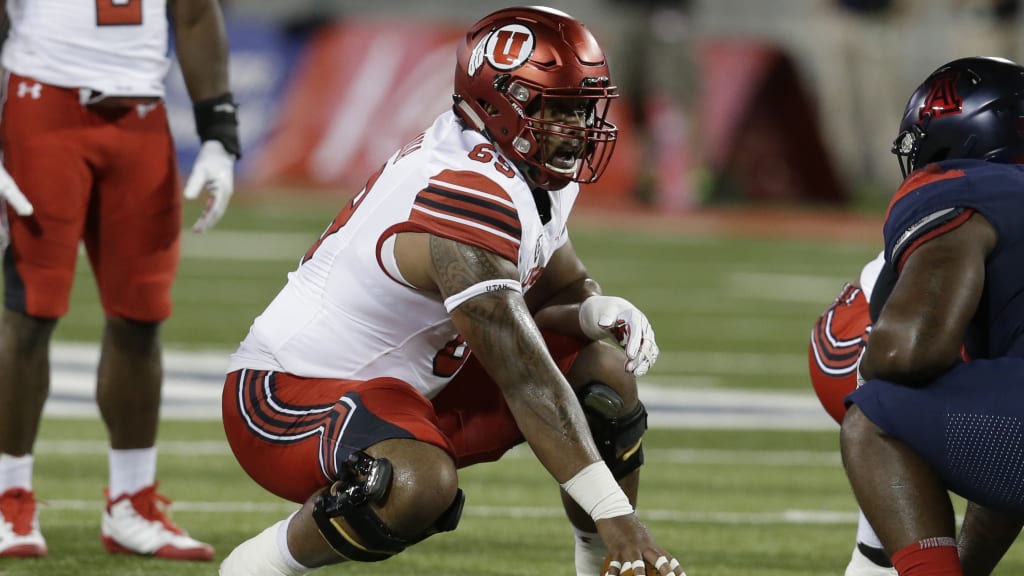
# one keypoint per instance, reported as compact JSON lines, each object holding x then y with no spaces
{"x":943,"y":98}
{"x":505,"y":48}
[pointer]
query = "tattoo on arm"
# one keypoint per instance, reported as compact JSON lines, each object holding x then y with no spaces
{"x":503,"y":335}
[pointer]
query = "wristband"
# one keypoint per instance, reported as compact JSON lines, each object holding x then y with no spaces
{"x":596,"y":491}
{"x":452,"y":302}
{"x":217,"y":119}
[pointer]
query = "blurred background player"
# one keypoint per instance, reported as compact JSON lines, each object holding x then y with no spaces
{"x":444,"y":317}
{"x":837,"y":342}
{"x":88,"y":157}
{"x":925,"y":422}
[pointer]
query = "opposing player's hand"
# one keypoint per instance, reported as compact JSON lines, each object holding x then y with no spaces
{"x":604,"y":316}
{"x":632,"y":550}
{"x":213,"y":171}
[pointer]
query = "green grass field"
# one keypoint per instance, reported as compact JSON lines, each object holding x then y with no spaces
{"x":730,"y":313}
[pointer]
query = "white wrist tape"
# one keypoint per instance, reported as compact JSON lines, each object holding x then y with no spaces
{"x":452,"y":302}
{"x":596,"y":491}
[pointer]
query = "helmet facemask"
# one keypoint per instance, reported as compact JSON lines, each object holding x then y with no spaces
{"x":565,"y":135}
{"x":907,"y":146}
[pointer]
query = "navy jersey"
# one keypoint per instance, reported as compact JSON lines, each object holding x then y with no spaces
{"x":968,"y":423}
{"x":942,"y":196}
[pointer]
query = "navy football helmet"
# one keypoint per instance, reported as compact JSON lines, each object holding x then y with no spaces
{"x":968,"y":108}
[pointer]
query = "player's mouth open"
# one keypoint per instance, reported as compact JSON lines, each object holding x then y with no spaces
{"x":564,"y":160}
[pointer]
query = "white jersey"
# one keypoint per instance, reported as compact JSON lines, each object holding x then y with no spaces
{"x":869,"y":275}
{"x":346,"y":312}
{"x":117,"y":47}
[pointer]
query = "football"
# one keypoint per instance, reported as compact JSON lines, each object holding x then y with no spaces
{"x":649,"y":568}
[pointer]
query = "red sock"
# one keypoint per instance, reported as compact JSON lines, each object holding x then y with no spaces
{"x":929,"y":557}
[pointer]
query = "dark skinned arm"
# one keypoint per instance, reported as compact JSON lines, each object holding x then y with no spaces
{"x":201,"y":46}
{"x":555,"y":298}
{"x":4,"y":25}
{"x":499,"y":328}
{"x":502,"y":334}
{"x":921,"y":328}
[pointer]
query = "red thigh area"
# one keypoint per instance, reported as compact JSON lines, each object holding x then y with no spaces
{"x":473,"y":413}
{"x":47,"y":154}
{"x":137,"y":197}
{"x":108,"y":177}
{"x":837,"y":342}
{"x":292,"y":434}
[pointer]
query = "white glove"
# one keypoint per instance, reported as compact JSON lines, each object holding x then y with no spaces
{"x":213,"y":171}
{"x":11,"y":194}
{"x":604,"y":316}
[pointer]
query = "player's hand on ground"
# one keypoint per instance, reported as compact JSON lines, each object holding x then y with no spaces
{"x":214,"y":172}
{"x":604,"y":316}
{"x":11,"y":194}
{"x":632,"y":550}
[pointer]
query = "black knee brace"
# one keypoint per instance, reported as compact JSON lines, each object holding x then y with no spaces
{"x":618,"y":438}
{"x":366,"y":479}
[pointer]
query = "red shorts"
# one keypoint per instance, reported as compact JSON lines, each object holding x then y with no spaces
{"x":837,"y":342}
{"x":291,"y":434}
{"x":105,"y":176}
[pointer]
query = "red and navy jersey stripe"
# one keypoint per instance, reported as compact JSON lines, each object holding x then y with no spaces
{"x":841,"y":333}
{"x":471,"y":208}
{"x":277,"y":421}
{"x":837,"y":342}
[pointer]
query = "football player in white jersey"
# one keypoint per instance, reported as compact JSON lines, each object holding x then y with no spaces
{"x":88,"y":157}
{"x":837,"y":343}
{"x":443,"y":317}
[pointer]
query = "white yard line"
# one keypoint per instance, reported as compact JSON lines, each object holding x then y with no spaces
{"x":215,"y":448}
{"x":659,"y":515}
{"x":193,"y":383}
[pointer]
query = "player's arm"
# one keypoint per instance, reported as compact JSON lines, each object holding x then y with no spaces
{"x":567,"y":300}
{"x":9,"y":190}
{"x":498,"y":326}
{"x":555,"y":298}
{"x":920,"y":329}
{"x":202,"y":47}
{"x":500,"y":329}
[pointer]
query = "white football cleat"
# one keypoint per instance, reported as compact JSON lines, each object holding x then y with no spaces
{"x":19,"y":525}
{"x":860,"y":565}
{"x":138,"y":524}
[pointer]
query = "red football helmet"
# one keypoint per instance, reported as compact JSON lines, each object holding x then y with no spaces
{"x":535,"y":82}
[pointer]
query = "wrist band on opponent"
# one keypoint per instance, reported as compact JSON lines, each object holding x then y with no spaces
{"x":217,"y":119}
{"x":596,"y":491}
{"x":452,"y":302}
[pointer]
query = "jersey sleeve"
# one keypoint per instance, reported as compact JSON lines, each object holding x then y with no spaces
{"x":928,"y":204}
{"x":468,"y":207}
{"x":869,"y":274}
{"x":837,"y":342}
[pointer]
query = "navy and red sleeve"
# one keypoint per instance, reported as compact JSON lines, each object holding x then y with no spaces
{"x":927,"y":205}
